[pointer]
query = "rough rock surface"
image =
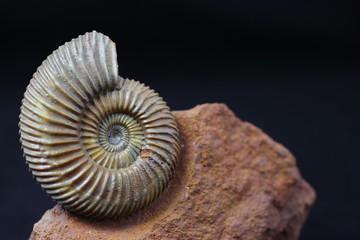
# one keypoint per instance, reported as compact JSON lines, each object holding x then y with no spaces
{"x":232,"y":182}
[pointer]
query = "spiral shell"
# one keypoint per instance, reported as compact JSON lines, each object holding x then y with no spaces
{"x":100,"y":145}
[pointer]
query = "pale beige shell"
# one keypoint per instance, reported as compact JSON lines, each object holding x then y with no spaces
{"x":100,"y":145}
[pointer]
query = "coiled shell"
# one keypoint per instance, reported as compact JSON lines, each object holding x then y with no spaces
{"x":100,"y":145}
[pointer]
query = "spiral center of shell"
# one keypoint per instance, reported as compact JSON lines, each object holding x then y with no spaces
{"x":112,"y":140}
{"x":115,"y":134}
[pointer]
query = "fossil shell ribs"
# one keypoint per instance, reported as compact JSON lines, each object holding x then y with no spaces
{"x":100,"y":145}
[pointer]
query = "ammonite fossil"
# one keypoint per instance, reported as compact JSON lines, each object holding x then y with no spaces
{"x":100,"y":145}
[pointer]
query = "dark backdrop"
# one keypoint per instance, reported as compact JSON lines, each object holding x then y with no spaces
{"x":289,"y":67}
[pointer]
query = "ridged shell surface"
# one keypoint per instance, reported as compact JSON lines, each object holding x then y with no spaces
{"x":100,"y":145}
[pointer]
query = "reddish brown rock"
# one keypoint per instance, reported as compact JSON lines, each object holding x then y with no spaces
{"x":232,"y":182}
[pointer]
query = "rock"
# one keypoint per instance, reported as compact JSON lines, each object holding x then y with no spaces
{"x":232,"y":182}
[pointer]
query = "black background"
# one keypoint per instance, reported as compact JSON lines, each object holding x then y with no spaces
{"x":289,"y":67}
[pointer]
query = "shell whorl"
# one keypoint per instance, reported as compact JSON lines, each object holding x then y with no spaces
{"x":100,"y":145}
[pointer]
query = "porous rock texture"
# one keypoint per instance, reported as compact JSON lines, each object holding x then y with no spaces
{"x":232,"y":182}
